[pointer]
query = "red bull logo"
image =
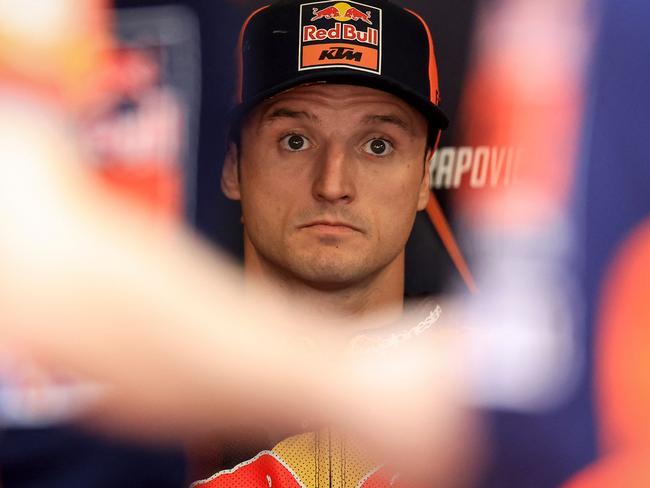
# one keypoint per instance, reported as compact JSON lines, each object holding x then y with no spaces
{"x":335,"y":34}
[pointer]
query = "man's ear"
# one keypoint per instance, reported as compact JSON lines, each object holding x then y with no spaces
{"x":425,"y":185}
{"x":230,"y":173}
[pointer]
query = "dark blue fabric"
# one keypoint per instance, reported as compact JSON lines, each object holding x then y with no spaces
{"x":616,"y":163}
{"x":67,"y":458}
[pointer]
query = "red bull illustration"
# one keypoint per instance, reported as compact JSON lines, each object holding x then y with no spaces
{"x":326,"y":13}
{"x":356,"y":15}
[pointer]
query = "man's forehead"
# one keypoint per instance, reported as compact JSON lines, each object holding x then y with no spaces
{"x":368,"y":103}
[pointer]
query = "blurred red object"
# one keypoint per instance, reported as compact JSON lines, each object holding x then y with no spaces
{"x":54,"y":49}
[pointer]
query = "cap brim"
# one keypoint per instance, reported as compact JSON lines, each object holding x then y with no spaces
{"x":436,"y":117}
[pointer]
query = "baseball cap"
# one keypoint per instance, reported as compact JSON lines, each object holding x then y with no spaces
{"x":376,"y":43}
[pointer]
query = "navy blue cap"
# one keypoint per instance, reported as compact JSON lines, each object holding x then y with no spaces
{"x":376,"y":44}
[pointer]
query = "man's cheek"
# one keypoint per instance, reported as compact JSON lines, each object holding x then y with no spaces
{"x":400,"y":220}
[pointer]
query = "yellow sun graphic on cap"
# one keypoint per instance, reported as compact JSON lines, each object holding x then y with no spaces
{"x":342,"y":7}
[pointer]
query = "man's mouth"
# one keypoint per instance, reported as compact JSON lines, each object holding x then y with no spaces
{"x":330,"y":226}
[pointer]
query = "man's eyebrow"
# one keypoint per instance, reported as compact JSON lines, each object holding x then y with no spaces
{"x":389,"y":119}
{"x":283,"y":112}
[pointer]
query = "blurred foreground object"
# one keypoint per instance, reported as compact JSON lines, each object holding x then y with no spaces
{"x":522,"y":110}
{"x":53,"y":57}
{"x":517,"y":166}
{"x":56,"y":47}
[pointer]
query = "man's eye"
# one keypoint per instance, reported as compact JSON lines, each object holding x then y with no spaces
{"x":295,"y":142}
{"x":378,"y":147}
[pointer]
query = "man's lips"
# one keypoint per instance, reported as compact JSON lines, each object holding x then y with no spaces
{"x":330,"y":226}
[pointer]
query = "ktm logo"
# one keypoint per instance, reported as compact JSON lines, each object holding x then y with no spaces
{"x":341,"y":53}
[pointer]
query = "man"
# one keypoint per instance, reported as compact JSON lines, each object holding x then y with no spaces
{"x":337,"y":118}
{"x":336,"y":122}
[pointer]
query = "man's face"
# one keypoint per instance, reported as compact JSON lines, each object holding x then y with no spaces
{"x":330,"y":179}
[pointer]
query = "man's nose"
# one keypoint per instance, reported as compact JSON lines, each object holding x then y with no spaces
{"x":333,"y":178}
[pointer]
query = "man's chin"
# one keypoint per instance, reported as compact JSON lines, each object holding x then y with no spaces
{"x":329,"y":282}
{"x":330,"y":275}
